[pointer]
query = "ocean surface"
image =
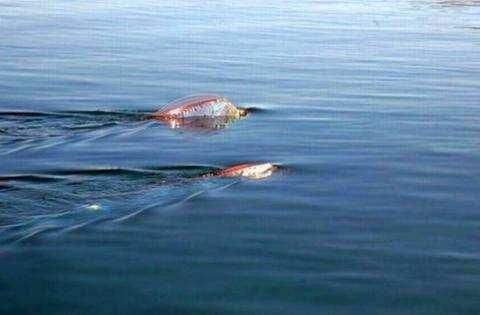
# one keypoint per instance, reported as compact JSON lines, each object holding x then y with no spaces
{"x":371,"y":108}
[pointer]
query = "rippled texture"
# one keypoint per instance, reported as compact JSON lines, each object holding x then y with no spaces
{"x":371,"y":108}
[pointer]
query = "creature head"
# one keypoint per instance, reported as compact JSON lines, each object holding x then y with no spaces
{"x":242,"y":112}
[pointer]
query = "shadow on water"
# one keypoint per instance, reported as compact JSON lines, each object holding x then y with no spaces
{"x":60,"y":201}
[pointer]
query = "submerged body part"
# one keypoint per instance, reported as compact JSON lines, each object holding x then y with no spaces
{"x":249,"y":170}
{"x":200,"y":123}
{"x":201,"y":106}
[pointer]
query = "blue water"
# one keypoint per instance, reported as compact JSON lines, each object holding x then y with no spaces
{"x":372,"y":108}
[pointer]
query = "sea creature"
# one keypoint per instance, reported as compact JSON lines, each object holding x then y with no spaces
{"x":249,"y":170}
{"x":200,"y":106}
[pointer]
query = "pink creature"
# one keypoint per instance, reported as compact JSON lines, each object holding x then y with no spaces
{"x":249,"y":170}
{"x":202,"y":111}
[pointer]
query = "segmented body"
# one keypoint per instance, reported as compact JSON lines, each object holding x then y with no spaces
{"x":235,"y":170}
{"x":250,"y":170}
{"x":198,"y":106}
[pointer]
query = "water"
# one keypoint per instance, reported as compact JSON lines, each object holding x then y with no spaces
{"x":371,"y":107}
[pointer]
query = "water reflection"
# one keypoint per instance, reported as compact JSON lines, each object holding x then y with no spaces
{"x":199,"y":124}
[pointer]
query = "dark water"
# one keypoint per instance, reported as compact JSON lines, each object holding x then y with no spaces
{"x":373,"y":108}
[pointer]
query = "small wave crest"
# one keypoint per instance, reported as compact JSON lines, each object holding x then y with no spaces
{"x":59,"y":201}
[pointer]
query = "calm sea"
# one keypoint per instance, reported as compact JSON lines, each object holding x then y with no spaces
{"x":371,"y":107}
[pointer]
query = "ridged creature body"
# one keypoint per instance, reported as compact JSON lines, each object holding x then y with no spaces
{"x":201,"y":106}
{"x":249,"y":170}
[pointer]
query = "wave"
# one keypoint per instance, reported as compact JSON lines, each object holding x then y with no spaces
{"x":67,"y":209}
{"x":35,"y":178}
{"x":72,"y":113}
